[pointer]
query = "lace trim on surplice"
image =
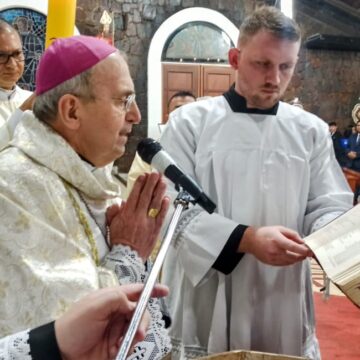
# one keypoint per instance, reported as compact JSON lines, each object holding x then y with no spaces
{"x":15,"y":347}
{"x":129,"y":268}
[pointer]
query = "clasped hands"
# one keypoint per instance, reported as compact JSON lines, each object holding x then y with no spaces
{"x":138,"y":220}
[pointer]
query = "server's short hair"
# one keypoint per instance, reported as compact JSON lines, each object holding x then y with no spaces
{"x":272,"y":20}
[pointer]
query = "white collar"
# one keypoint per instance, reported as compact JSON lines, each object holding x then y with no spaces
{"x":7,"y":94}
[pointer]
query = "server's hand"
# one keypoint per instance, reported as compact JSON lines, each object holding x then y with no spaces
{"x":274,"y":245}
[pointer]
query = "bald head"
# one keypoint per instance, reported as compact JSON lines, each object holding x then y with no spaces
{"x":6,"y":28}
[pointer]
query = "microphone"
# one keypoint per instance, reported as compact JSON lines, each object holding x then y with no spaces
{"x":152,"y":153}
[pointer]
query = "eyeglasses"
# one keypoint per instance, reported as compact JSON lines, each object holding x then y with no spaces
{"x":128,"y":101}
{"x":125,"y":102}
{"x":18,"y":56}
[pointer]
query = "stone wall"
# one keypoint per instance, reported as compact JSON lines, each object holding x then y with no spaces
{"x":326,"y":81}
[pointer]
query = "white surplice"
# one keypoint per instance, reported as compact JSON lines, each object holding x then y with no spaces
{"x":47,"y":253}
{"x":260,"y":170}
{"x":10,"y":100}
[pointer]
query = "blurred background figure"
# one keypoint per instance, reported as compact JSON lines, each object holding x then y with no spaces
{"x":11,"y":69}
{"x":179,"y":99}
{"x":353,"y":157}
{"x":353,"y":152}
{"x":340,"y":152}
{"x":350,"y":129}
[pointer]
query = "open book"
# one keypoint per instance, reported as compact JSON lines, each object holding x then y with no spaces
{"x":337,"y":248}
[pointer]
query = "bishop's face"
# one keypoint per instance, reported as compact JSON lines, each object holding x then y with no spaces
{"x":106,"y":120}
{"x":265,"y":65}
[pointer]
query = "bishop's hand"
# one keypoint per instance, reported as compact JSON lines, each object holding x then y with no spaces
{"x":137,"y":221}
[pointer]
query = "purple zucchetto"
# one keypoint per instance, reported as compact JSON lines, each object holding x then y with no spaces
{"x":68,"y":57}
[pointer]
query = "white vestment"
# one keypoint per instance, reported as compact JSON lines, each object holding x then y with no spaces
{"x":260,"y":170}
{"x":52,"y":251}
{"x":10,"y":100}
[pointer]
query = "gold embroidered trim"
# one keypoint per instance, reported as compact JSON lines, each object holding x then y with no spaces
{"x":85,"y":224}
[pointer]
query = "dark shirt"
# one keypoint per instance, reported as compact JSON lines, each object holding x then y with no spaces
{"x":340,"y":152}
{"x":354,"y":145}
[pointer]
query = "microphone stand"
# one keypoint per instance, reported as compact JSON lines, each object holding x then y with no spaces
{"x":181,"y":203}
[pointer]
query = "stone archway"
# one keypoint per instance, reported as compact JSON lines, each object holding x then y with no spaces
{"x":40,"y":6}
{"x":157,"y":45}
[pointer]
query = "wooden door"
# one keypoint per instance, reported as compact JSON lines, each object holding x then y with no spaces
{"x":179,"y":77}
{"x":216,"y":79}
{"x":199,"y":79}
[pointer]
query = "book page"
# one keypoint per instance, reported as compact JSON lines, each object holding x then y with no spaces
{"x":337,"y":244}
{"x":352,"y":290}
{"x":337,"y":248}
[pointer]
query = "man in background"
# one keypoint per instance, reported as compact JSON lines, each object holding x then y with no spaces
{"x":240,"y":278}
{"x":12,"y":96}
{"x":180,"y":98}
{"x":353,"y":151}
{"x":139,"y":166}
{"x":338,"y":148}
{"x":353,"y":155}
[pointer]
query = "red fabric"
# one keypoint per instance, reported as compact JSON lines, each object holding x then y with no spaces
{"x":338,"y":328}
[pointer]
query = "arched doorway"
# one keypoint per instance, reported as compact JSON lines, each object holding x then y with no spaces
{"x":158,"y":42}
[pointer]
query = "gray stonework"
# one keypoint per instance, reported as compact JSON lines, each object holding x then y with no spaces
{"x":188,"y":3}
{"x":149,"y":12}
{"x":326,"y":82}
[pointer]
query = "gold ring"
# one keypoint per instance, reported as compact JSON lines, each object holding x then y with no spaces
{"x":153,"y":213}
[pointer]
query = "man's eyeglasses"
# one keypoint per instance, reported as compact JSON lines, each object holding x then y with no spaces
{"x":125,"y":101}
{"x":128,"y":101}
{"x":18,"y":56}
